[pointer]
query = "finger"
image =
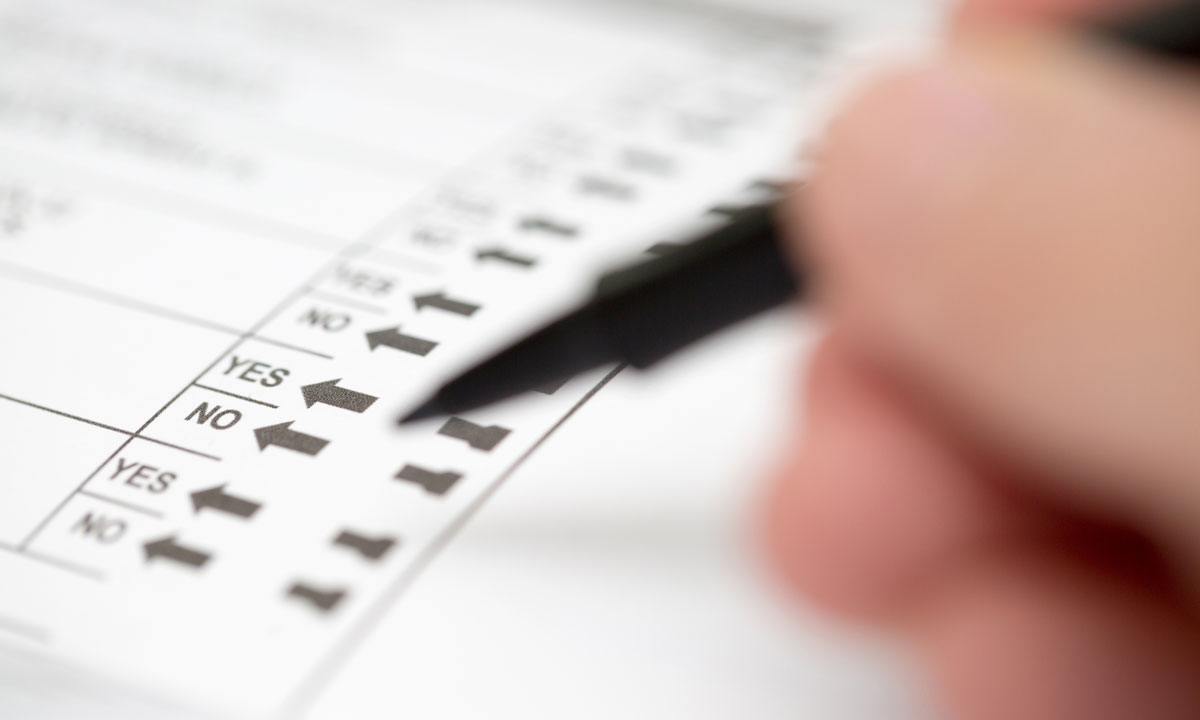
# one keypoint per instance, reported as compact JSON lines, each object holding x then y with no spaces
{"x":1038,"y":635}
{"x":894,"y":530}
{"x":873,"y":505}
{"x":1014,"y":230}
{"x":1050,"y":10}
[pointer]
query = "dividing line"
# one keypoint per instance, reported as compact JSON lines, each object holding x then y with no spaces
{"x":370,"y":253}
{"x":121,"y":503}
{"x":29,"y":631}
{"x":297,"y":348}
{"x":235,"y":395}
{"x":348,"y":302}
{"x":111,"y":428}
{"x":60,"y":413}
{"x":71,"y":287}
{"x":87,"y":572}
{"x":92,"y":293}
{"x":173,"y":446}
{"x":326,"y":668}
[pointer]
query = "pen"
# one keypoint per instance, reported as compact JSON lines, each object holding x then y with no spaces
{"x":644,"y":312}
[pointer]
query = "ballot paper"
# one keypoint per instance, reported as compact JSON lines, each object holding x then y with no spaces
{"x":238,"y":238}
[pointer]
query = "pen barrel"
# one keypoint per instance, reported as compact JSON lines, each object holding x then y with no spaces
{"x":1170,"y":32}
{"x":561,"y":350}
{"x":654,"y":309}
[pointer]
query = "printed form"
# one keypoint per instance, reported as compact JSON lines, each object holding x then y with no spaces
{"x":237,"y":239}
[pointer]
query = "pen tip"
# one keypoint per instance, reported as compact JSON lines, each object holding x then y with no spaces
{"x":431,"y":409}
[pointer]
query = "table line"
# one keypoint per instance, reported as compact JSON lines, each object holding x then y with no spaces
{"x":29,"y":631}
{"x":235,"y":395}
{"x":105,"y":426}
{"x":347,"y":302}
{"x":64,"y":285}
{"x":82,"y":570}
{"x":122,"y":503}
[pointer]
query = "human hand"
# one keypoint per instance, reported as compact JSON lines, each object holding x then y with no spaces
{"x":1002,"y":452}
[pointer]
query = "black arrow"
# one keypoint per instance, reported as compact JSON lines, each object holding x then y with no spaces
{"x":370,"y":548}
{"x":606,"y":188}
{"x":283,"y":436}
{"x":648,"y":161}
{"x":505,"y":256}
{"x":438,"y":483}
{"x":217,"y":499}
{"x":391,"y":337}
{"x":328,"y":393}
{"x":168,"y":549}
{"x":663,"y":248}
{"x":773,"y":187}
{"x":477,"y":436}
{"x":441,"y":302}
{"x":535,"y":223}
{"x":732,"y":212}
{"x":323,"y":600}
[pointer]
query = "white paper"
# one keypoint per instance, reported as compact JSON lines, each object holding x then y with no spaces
{"x":237,"y":238}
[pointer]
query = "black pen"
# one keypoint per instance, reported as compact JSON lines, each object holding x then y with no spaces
{"x":645,"y":312}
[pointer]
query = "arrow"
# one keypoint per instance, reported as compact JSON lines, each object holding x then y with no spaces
{"x":283,"y":436}
{"x":323,"y":600}
{"x":217,"y":499}
{"x":167,"y":548}
{"x":328,"y":393}
{"x":535,"y":223}
{"x":441,"y":302}
{"x":607,"y":188}
{"x":392,"y":338}
{"x":370,"y":548}
{"x":434,"y":482}
{"x":649,"y":161}
{"x":773,"y":187}
{"x":730,"y":211}
{"x":663,"y":248}
{"x":504,"y":256}
{"x":477,"y":436}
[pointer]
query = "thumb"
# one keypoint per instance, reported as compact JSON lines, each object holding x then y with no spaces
{"x":1014,"y":231}
{"x":992,"y":10}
